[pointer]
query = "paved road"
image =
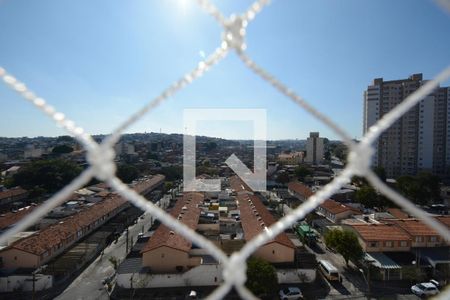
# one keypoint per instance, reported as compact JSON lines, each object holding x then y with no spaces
{"x":88,"y":284}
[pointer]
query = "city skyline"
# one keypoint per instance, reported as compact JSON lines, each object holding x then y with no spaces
{"x":98,"y":66}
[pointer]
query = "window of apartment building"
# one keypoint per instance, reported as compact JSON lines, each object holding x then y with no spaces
{"x":433,"y":238}
{"x":403,"y":244}
{"x":418,"y":239}
{"x":389,"y":244}
{"x":373,"y":244}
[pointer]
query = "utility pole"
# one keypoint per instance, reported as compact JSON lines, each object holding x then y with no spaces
{"x":34,"y":279}
{"x":126,"y":238}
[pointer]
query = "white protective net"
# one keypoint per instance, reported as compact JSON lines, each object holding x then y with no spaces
{"x":102,"y":166}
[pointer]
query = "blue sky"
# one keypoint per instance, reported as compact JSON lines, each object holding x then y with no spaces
{"x":100,"y":61}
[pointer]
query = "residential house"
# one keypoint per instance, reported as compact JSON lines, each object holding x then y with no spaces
{"x":336,"y":211}
{"x":168,"y":251}
{"x":255,"y":218}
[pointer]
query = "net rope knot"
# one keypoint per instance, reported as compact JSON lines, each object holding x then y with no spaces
{"x":360,"y":158}
{"x":235,"y":270}
{"x":234,"y":35}
{"x":101,"y":159}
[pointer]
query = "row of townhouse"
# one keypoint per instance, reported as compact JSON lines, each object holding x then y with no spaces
{"x":255,"y":218}
{"x":332,"y":210}
{"x":393,"y":235}
{"x":37,"y":249}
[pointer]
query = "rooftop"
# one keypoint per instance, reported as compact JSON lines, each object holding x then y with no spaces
{"x":415,"y":227}
{"x":255,"y":218}
{"x":381,"y":232}
{"x":11,"y":218}
{"x":336,"y":207}
{"x":300,"y":189}
{"x":12,"y":192}
{"x":186,"y":211}
{"x":53,"y":235}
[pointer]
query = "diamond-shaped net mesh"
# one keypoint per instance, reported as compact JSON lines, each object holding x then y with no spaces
{"x":102,"y":166}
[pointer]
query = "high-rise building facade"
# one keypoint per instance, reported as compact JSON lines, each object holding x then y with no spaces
{"x":419,"y":140}
{"x":314,"y":149}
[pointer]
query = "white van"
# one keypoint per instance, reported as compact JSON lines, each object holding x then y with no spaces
{"x":329,"y":271}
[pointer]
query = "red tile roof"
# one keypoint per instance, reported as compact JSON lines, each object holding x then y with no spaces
{"x":381,"y":232}
{"x":300,"y":189}
{"x":398,"y":213}
{"x":444,"y":220}
{"x":255,"y":217}
{"x":238,"y":185}
{"x":55,"y":234}
{"x":414,"y":227}
{"x":11,"y":218}
{"x":186,"y":208}
{"x":12,"y":193}
{"x":149,"y":183}
{"x":335,"y":208}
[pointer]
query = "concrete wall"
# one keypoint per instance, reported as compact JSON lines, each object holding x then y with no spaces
{"x":208,"y":227}
{"x":276,"y":253}
{"x":166,"y":260}
{"x":203,"y":275}
{"x":25,"y":283}
{"x":15,"y":258}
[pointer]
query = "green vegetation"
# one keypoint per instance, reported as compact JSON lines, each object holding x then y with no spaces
{"x":368,"y":197}
{"x":283,"y":178}
{"x":421,"y":189}
{"x":45,"y":176}
{"x":261,"y":277}
{"x":172,"y":173}
{"x":62,"y":149}
{"x":301,"y":172}
{"x":346,"y":243}
{"x":127,"y":173}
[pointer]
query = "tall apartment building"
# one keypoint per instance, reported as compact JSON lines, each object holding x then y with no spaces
{"x":314,"y":149}
{"x":418,"y":141}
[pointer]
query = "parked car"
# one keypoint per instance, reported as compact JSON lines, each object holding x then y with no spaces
{"x":192,"y":295}
{"x":108,"y":279}
{"x":290,"y":293}
{"x":425,"y":288}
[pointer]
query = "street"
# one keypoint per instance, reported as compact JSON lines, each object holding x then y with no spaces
{"x":88,"y":285}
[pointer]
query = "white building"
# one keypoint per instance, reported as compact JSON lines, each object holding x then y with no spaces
{"x":314,"y":149}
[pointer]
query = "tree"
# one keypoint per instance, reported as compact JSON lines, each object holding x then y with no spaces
{"x":381,"y":172}
{"x":283,"y":178}
{"x":172,"y":173}
{"x":65,"y":139}
{"x":346,"y":243}
{"x":127,"y":173}
{"x":62,"y":149}
{"x":47,"y":175}
{"x":261,"y":277}
{"x":349,"y":247}
{"x":367,"y":196}
{"x":421,"y":189}
{"x":301,"y":172}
